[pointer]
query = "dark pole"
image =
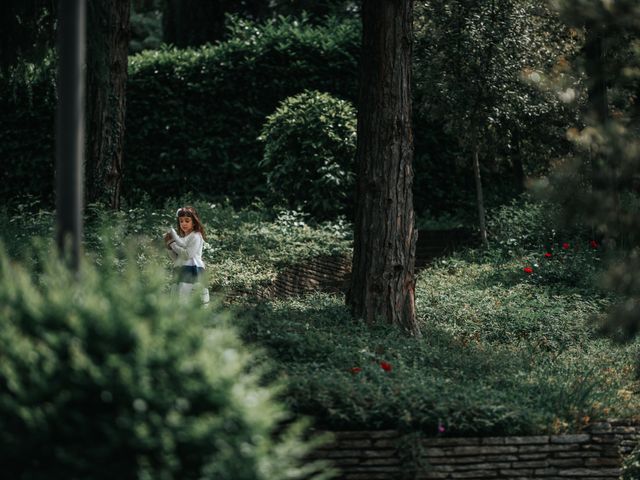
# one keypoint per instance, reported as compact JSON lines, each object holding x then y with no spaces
{"x":70,"y":129}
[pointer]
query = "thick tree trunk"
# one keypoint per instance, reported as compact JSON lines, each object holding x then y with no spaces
{"x":108,"y":46}
{"x":479,"y":195}
{"x":383,"y":283}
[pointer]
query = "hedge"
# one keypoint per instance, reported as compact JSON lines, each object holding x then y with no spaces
{"x":193,"y":116}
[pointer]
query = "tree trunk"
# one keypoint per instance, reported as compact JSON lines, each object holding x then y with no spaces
{"x":602,"y":172}
{"x":479,"y":195}
{"x":598,"y":103}
{"x":107,"y":50}
{"x":516,"y":162}
{"x":383,"y":283}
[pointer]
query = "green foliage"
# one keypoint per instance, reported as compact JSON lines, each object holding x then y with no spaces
{"x":529,"y":234}
{"x":106,"y":370}
{"x":27,"y":32}
{"x":631,"y":465}
{"x":146,"y":31}
{"x":316,"y":9}
{"x":598,"y":185}
{"x":527,"y":225}
{"x":479,"y":311}
{"x":27,"y":111}
{"x":455,"y":376}
{"x":496,"y":302}
{"x":249,"y":247}
{"x":193,"y":116}
{"x":472,"y":64}
{"x":310,"y":144}
{"x":471,"y":59}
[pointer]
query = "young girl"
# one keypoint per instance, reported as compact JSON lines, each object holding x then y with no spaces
{"x":185,"y":248}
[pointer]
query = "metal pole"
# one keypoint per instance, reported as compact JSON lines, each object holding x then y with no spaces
{"x":70,"y":129}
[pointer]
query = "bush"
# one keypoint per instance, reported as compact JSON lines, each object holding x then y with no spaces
{"x":106,"y":378}
{"x":310,"y":144}
{"x":525,"y":225}
{"x":530,"y":235}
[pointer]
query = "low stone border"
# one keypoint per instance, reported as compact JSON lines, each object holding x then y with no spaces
{"x":595,"y":454}
{"x":329,"y":274}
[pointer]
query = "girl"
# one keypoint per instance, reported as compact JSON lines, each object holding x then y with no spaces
{"x":185,"y":248}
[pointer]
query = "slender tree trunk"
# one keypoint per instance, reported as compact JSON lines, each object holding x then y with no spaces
{"x":479,"y":195}
{"x":108,"y":46}
{"x":383,"y":283}
{"x":602,"y":172}
{"x":598,"y":102}
{"x":516,"y":161}
{"x":597,"y":107}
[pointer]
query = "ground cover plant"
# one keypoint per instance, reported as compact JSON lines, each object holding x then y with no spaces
{"x":495,"y":360}
{"x":508,"y":345}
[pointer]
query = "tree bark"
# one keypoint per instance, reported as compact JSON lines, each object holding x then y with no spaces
{"x":383,"y":282}
{"x":598,"y":103}
{"x":516,"y":161}
{"x":479,"y":194}
{"x":107,"y":52}
{"x":602,"y":178}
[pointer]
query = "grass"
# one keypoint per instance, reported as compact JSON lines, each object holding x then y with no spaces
{"x":502,"y":352}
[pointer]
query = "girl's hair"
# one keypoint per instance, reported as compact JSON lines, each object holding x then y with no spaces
{"x":189,"y":211}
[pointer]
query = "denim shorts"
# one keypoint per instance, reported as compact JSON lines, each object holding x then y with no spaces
{"x":189,"y":274}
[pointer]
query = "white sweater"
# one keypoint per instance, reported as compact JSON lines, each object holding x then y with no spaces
{"x":186,"y":251}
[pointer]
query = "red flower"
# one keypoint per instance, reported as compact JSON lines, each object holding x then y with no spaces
{"x":548,"y":255}
{"x":594,"y":244}
{"x":356,"y":370}
{"x":565,"y":246}
{"x":385,"y":366}
{"x":527,"y":270}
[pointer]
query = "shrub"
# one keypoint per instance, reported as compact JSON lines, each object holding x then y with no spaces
{"x":106,"y":378}
{"x":531,"y":235}
{"x":525,"y":225}
{"x":310,"y":144}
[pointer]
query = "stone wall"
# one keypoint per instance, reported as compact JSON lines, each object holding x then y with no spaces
{"x":595,"y":454}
